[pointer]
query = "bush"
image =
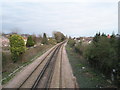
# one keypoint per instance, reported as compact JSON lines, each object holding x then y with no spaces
{"x":80,"y":47}
{"x":71,"y":42}
{"x":44,"y":39}
{"x":6,"y":57}
{"x":30,"y":42}
{"x":102,"y":55}
{"x":52,"y":41}
{"x":17,"y":46}
{"x":59,"y":36}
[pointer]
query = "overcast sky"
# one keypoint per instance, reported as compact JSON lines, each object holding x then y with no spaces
{"x":74,"y":18}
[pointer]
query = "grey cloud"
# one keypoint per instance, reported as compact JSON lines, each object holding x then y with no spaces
{"x":71,"y":18}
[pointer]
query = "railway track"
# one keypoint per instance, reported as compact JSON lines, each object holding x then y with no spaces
{"x":41,"y":76}
{"x":51,"y":70}
{"x":56,"y":82}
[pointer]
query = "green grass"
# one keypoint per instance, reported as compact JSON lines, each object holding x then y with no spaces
{"x":88,"y":77}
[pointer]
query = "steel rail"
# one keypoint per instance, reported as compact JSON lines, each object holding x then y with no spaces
{"x":45,"y":68}
{"x":37,"y":66}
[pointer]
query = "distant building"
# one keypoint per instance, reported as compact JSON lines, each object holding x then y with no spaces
{"x":86,"y":40}
{"x":25,"y":40}
{"x":6,"y":35}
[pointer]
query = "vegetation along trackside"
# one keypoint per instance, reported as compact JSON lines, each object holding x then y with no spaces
{"x":102,"y":54}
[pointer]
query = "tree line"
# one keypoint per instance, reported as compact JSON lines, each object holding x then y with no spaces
{"x":103,"y":54}
{"x":18,"y":46}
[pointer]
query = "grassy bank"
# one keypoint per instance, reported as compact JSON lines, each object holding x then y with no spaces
{"x":30,"y":55}
{"x":86,"y":76}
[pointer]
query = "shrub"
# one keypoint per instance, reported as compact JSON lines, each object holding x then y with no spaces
{"x":52,"y":41}
{"x":6,"y":57}
{"x":44,"y":39}
{"x":30,"y":42}
{"x":80,"y":47}
{"x":71,"y":42}
{"x":59,"y":36}
{"x":103,"y":55}
{"x":17,"y":46}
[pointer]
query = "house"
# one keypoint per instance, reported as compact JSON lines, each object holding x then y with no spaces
{"x":25,"y":40}
{"x":87,"y":40}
